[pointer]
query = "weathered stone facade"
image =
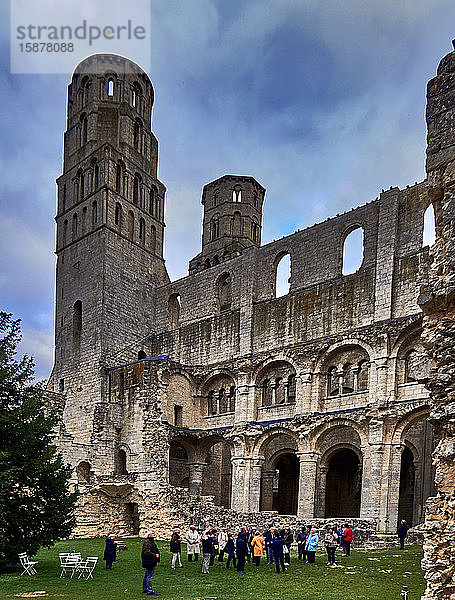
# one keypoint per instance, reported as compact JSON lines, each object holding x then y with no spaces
{"x":209,"y":396}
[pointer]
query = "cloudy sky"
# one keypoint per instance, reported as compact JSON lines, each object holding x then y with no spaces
{"x":322,"y":102}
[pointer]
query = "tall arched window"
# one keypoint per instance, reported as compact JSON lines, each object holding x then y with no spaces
{"x":141,"y":230}
{"x":74,"y":227}
{"x":65,"y":231}
{"x":131,"y":225}
{"x":84,"y":129}
{"x":84,"y":221}
{"x":282,"y":276}
{"x":152,"y":201}
{"x":214,"y":228}
{"x":118,"y":215}
{"x":237,"y":194}
{"x":136,"y":188}
{"x":137,"y":134}
{"x":110,"y":87}
{"x":174,"y":311}
{"x":77,"y":324}
{"x":96,"y":175}
{"x":224,"y":292}
{"x":94,"y":213}
{"x":119,"y":177}
{"x":120,"y":463}
{"x":291,"y":388}
{"x":429,"y":229}
{"x":353,"y":251}
{"x":153,"y":239}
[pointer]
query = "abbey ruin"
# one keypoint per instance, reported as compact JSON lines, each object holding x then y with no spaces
{"x":209,"y":397}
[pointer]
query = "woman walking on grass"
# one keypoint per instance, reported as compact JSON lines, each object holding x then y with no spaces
{"x":311,"y":546}
{"x":257,"y":544}
{"x":331,"y":543}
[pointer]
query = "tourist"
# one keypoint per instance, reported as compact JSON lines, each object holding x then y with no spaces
{"x":401,"y":532}
{"x":222,"y":541}
{"x":277,"y":550}
{"x":150,"y":558}
{"x":214,"y":535}
{"x":207,"y":551}
{"x":331,"y":543}
{"x":176,"y":548}
{"x":288,"y":539}
{"x":230,"y":551}
{"x":241,"y":551}
{"x":268,"y":545}
{"x":257,"y":543}
{"x":110,"y":552}
{"x":347,"y":538}
{"x":193,"y":541}
{"x":311,"y":545}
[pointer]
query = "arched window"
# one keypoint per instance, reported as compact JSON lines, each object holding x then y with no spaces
{"x":83,"y":472}
{"x":237,"y":194}
{"x":282,"y":276}
{"x":224,"y":292}
{"x":254,"y":231}
{"x":110,"y":87}
{"x":84,"y":129}
{"x":409,"y":363}
{"x":141,"y":355}
{"x":214,"y":228}
{"x":120,"y":463}
{"x":333,"y":382}
{"x":174,"y":311}
{"x":94,"y":213}
{"x":141,"y":230}
{"x":266,"y":393}
{"x":291,"y":387}
{"x":362,"y":378}
{"x":152,"y":201}
{"x":429,"y":230}
{"x":118,"y":215}
{"x":153,"y":239}
{"x":74,"y":227}
{"x":136,"y":94}
{"x":136,"y":184}
{"x":348,"y":379}
{"x":84,"y":220}
{"x":137,"y":134}
{"x":65,"y":231}
{"x":232,"y":399}
{"x":77,"y":323}
{"x":96,"y":175}
{"x":222,"y":401}
{"x":353,"y":251}
{"x":131,"y":225}
{"x":119,"y":177}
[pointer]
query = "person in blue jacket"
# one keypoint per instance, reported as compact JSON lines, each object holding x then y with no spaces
{"x":229,"y":550}
{"x":311,"y":546}
{"x":242,"y":551}
{"x":110,"y":552}
{"x":277,"y":551}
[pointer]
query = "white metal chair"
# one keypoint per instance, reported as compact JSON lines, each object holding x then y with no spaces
{"x":86,"y":567}
{"x":27,"y":564}
{"x":69,"y":562}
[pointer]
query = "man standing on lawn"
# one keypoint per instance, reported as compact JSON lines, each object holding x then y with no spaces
{"x":150,"y":558}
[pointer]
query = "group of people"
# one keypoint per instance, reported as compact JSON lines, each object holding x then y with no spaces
{"x":250,"y":545}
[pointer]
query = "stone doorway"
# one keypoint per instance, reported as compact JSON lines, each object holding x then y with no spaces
{"x":285,"y":484}
{"x":407,"y":487}
{"x":343,"y":485}
{"x":132,"y":517}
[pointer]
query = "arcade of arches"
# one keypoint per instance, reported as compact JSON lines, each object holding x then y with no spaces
{"x":337,"y":477}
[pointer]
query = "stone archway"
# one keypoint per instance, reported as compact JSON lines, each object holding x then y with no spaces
{"x":286,"y":484}
{"x":407,"y":487}
{"x":343,"y":484}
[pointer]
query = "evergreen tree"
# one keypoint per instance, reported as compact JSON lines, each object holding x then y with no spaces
{"x":36,"y":507}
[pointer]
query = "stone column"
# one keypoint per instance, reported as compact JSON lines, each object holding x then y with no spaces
{"x":255,"y":483}
{"x":393,"y":488}
{"x":320,"y":492}
{"x":239,"y":497}
{"x":372,"y":476}
{"x":196,"y":470}
{"x":267,"y":490}
{"x":303,"y":393}
{"x":242,"y":400}
{"x":381,"y":378}
{"x":308,"y":463}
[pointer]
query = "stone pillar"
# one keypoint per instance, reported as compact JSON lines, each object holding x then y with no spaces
{"x":320,"y":492}
{"x":242,"y":400}
{"x":196,"y":470}
{"x":394,"y":473}
{"x":303,"y":393}
{"x":267,"y":490}
{"x":239,"y":496}
{"x":381,"y":378}
{"x":437,"y":300}
{"x":255,"y":483}
{"x":308,"y":462}
{"x":372,"y":476}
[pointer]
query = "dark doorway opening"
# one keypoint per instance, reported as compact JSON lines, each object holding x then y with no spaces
{"x":407,"y":486}
{"x":285,"y":485}
{"x":343,"y":485}
{"x":132,"y":517}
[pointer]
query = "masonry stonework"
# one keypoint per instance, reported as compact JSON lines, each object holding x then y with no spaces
{"x":210,"y":397}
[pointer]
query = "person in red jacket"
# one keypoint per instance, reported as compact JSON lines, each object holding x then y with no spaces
{"x":347,"y":539}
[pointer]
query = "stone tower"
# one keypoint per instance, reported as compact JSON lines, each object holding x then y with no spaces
{"x":438,"y":303}
{"x":110,"y":224}
{"x":232,"y":219}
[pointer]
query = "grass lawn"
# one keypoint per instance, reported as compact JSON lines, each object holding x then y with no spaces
{"x":366,"y":575}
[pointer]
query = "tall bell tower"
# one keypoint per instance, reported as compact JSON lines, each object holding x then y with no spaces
{"x":110,"y":225}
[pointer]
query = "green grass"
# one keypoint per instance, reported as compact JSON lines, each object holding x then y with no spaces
{"x":358,"y":578}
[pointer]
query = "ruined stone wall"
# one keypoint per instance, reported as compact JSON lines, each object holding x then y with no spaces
{"x":438,"y":302}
